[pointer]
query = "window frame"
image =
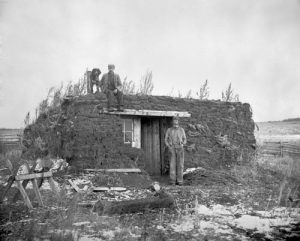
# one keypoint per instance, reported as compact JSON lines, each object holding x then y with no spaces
{"x":125,"y":131}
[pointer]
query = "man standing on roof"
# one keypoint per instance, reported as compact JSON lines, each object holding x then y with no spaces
{"x":175,"y":139}
{"x":111,"y":85}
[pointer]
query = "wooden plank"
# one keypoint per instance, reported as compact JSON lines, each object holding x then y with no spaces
{"x":37,"y":192}
{"x":118,"y":189}
{"x":76,"y":188}
{"x":162,"y":144}
{"x":149,"y":113}
{"x":126,"y":170}
{"x":269,"y":149}
{"x":145,"y":143}
{"x":33,"y":175}
{"x":272,"y":149}
{"x":11,"y":134}
{"x":291,"y":145}
{"x":271,"y":142}
{"x":275,"y":151}
{"x":293,"y":152}
{"x":165,"y":123}
{"x":9,"y":139}
{"x":24,"y":195}
{"x":88,"y":82}
{"x":137,"y":132}
{"x":156,"y":147}
{"x":149,"y":146}
{"x":272,"y":146}
{"x":100,"y":189}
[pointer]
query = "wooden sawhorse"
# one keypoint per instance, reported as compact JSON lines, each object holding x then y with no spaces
{"x":26,"y":178}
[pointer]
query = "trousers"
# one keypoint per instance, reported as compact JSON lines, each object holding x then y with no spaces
{"x":176,"y":164}
{"x":110,"y":95}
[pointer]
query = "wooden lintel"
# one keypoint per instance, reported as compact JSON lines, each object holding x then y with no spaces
{"x":136,"y":170}
{"x":33,"y":175}
{"x":149,"y":113}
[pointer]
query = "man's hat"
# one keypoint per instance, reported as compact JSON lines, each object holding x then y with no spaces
{"x":111,"y":66}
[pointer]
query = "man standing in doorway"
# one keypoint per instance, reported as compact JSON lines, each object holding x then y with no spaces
{"x":175,"y":139}
{"x":111,"y":85}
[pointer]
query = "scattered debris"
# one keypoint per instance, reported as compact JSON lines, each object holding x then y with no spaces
{"x":74,"y":186}
{"x":155,"y":187}
{"x":127,"y":170}
{"x":193,"y":169}
{"x":100,"y":189}
{"x":106,"y":189}
{"x":79,"y":224}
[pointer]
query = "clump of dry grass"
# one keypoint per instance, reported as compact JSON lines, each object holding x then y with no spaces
{"x":15,"y":157}
{"x":286,"y":166}
{"x":282,"y":174}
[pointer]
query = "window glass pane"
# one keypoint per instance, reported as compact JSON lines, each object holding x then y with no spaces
{"x":128,"y":137}
{"x":128,"y":124}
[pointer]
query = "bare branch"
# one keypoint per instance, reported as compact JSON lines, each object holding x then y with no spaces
{"x":203,"y":91}
{"x":229,"y":95}
{"x":128,"y":87}
{"x":146,"y":84}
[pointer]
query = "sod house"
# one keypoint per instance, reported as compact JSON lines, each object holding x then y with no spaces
{"x":87,"y":136}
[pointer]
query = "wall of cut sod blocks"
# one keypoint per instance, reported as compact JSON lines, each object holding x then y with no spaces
{"x":218,"y":133}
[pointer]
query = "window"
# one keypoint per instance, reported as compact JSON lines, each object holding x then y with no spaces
{"x":132,"y":131}
{"x":128,"y":131}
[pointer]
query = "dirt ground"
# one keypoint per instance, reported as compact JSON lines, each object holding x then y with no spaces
{"x":231,"y":204}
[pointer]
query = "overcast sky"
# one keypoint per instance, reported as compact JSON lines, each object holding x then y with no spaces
{"x":254,"y":44}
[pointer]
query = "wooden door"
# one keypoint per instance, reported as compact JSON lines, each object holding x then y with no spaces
{"x":151,"y":145}
{"x":164,"y":124}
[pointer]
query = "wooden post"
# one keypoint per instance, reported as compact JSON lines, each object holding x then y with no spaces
{"x":37,"y":192}
{"x":281,"y":149}
{"x":9,"y":166}
{"x":24,"y":195}
{"x":10,"y":181}
{"x":88,"y":82}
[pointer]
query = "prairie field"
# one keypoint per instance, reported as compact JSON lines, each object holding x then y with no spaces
{"x":278,"y":131}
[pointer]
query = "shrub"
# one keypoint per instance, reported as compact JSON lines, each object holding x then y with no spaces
{"x":229,"y":95}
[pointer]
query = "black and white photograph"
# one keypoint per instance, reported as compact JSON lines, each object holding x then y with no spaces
{"x":149,"y":120}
